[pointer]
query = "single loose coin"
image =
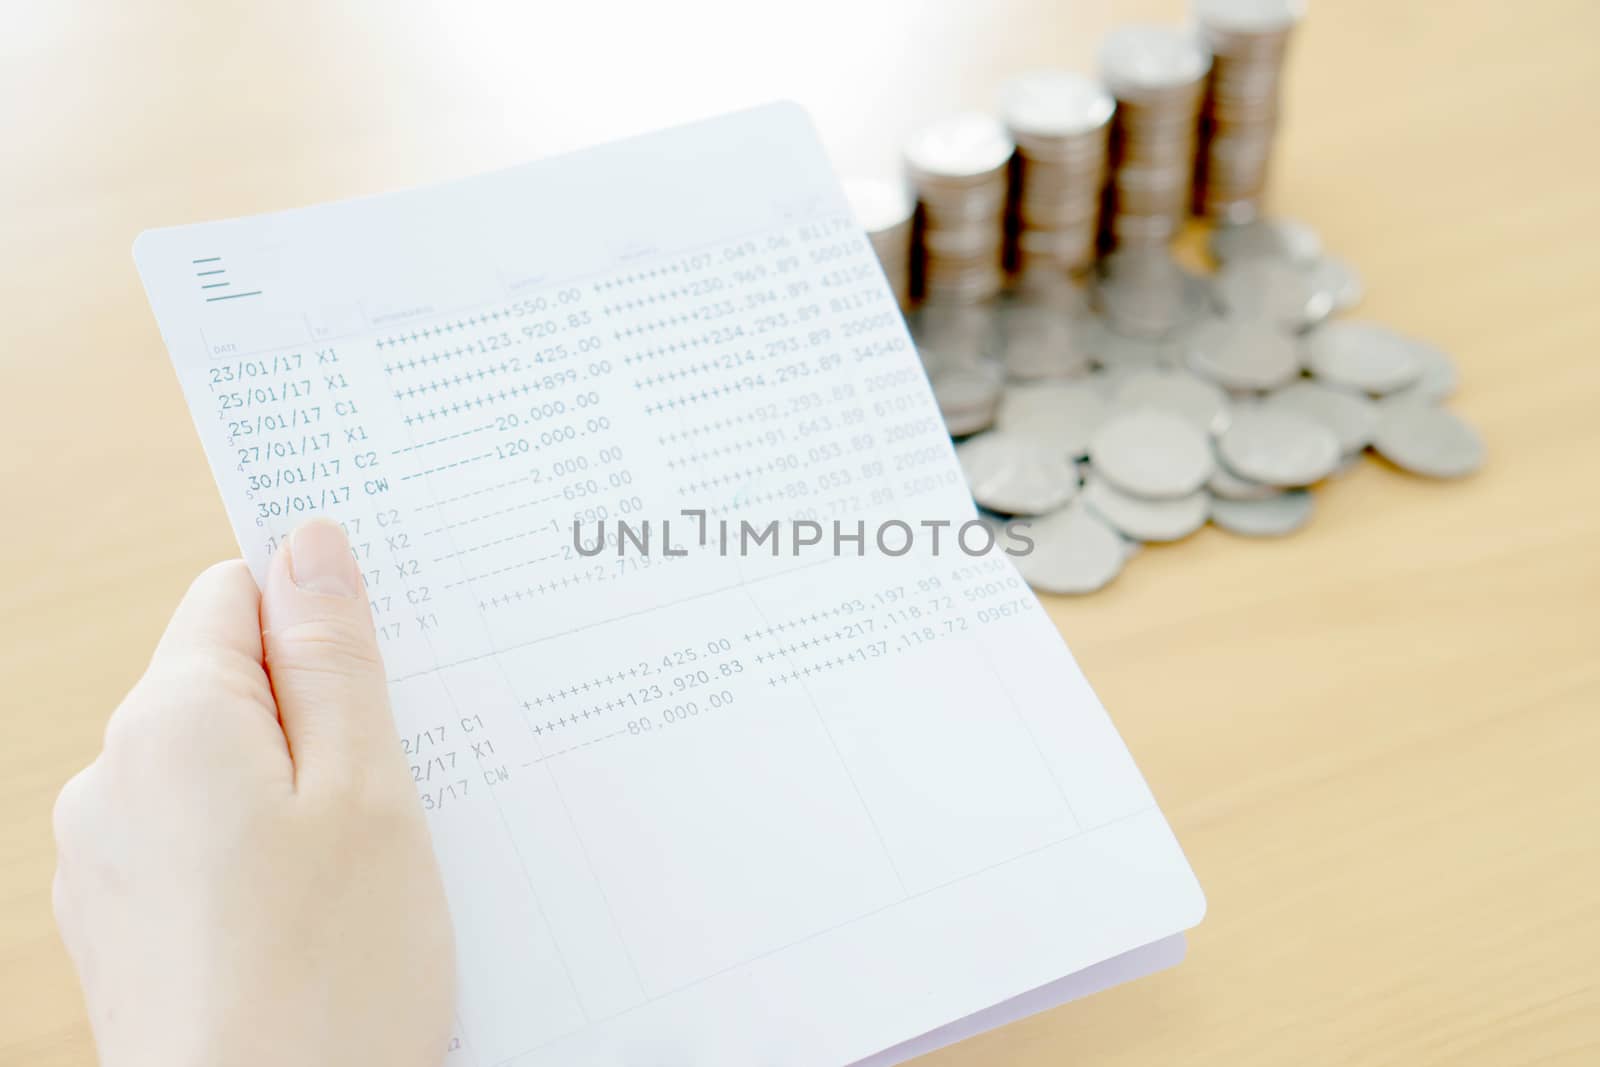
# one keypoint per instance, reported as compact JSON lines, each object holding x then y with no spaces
{"x":1151,"y":453}
{"x":1425,"y":439}
{"x":1178,"y":391}
{"x":1145,"y":293}
{"x":1074,"y":552}
{"x":1242,"y":354}
{"x":1043,"y":338}
{"x":1339,"y":281}
{"x":1276,"y":446}
{"x":1229,"y":486}
{"x":1113,"y":351}
{"x":1059,"y":416}
{"x":1109,"y":379}
{"x":1268,"y":516}
{"x":1272,"y":289}
{"x":1362,"y":355}
{"x":1143,"y":519}
{"x":1439,"y":378}
{"x":1015,"y":476}
{"x":1268,"y":239}
{"x":967,"y":423}
{"x":967,"y":399}
{"x":1350,"y":415}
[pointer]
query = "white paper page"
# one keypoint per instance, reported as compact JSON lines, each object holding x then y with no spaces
{"x":1137,"y":963}
{"x":703,"y":809}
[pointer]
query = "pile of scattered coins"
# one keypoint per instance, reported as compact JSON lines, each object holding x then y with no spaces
{"x":1163,"y":401}
{"x":1120,"y":400}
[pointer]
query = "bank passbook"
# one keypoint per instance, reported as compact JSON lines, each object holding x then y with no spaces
{"x":740,"y":740}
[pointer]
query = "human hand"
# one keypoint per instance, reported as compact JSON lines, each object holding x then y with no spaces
{"x":244,"y":875}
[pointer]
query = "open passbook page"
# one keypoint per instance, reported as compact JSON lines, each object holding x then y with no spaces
{"x":739,"y":746}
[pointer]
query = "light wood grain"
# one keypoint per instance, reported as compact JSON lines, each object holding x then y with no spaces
{"x":1377,"y":740}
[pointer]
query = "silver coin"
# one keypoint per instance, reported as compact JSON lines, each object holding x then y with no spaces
{"x":1055,"y":103}
{"x":1271,"y":516}
{"x":1142,"y":58}
{"x":1249,"y":16}
{"x":967,"y":423}
{"x":1144,"y":293}
{"x":1227,"y":485}
{"x":1350,"y":415}
{"x":1109,"y":378}
{"x":1151,"y":453}
{"x":1276,"y":446}
{"x":1146,"y":520}
{"x":1362,"y":355}
{"x":1180,"y":392}
{"x":1113,"y":350}
{"x":1349,"y":462}
{"x":964,"y":145}
{"x":1339,"y":280}
{"x":967,"y":389}
{"x":879,"y":204}
{"x":1042,"y":339}
{"x":1439,"y":378}
{"x":952,"y":336}
{"x":1271,"y":289}
{"x":1425,"y":439}
{"x":1267,"y":239}
{"x":1060,"y":416}
{"x":1016,"y":476}
{"x":1074,"y":552}
{"x":967,"y":398}
{"x":1242,"y":354}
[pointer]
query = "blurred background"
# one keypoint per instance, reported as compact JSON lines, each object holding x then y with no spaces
{"x":1375,"y":739}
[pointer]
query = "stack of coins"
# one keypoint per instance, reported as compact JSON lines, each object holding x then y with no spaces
{"x":959,"y":167}
{"x":1248,"y":40}
{"x":885,"y":210}
{"x":957,"y":343}
{"x":1158,"y":76}
{"x":1061,"y":124}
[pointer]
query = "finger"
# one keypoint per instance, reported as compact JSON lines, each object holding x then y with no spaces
{"x":322,"y":658}
{"x":68,"y":816}
{"x":206,"y":674}
{"x":218,"y":616}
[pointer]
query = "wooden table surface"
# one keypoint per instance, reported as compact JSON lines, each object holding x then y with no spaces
{"x":1377,"y":740}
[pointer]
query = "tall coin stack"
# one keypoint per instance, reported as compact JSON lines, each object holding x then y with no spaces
{"x":1061,"y":124}
{"x":1249,"y":40}
{"x":958,"y":166}
{"x":885,"y":210}
{"x":1158,"y":76}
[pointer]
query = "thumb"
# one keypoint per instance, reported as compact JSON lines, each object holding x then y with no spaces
{"x":322,"y":657}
